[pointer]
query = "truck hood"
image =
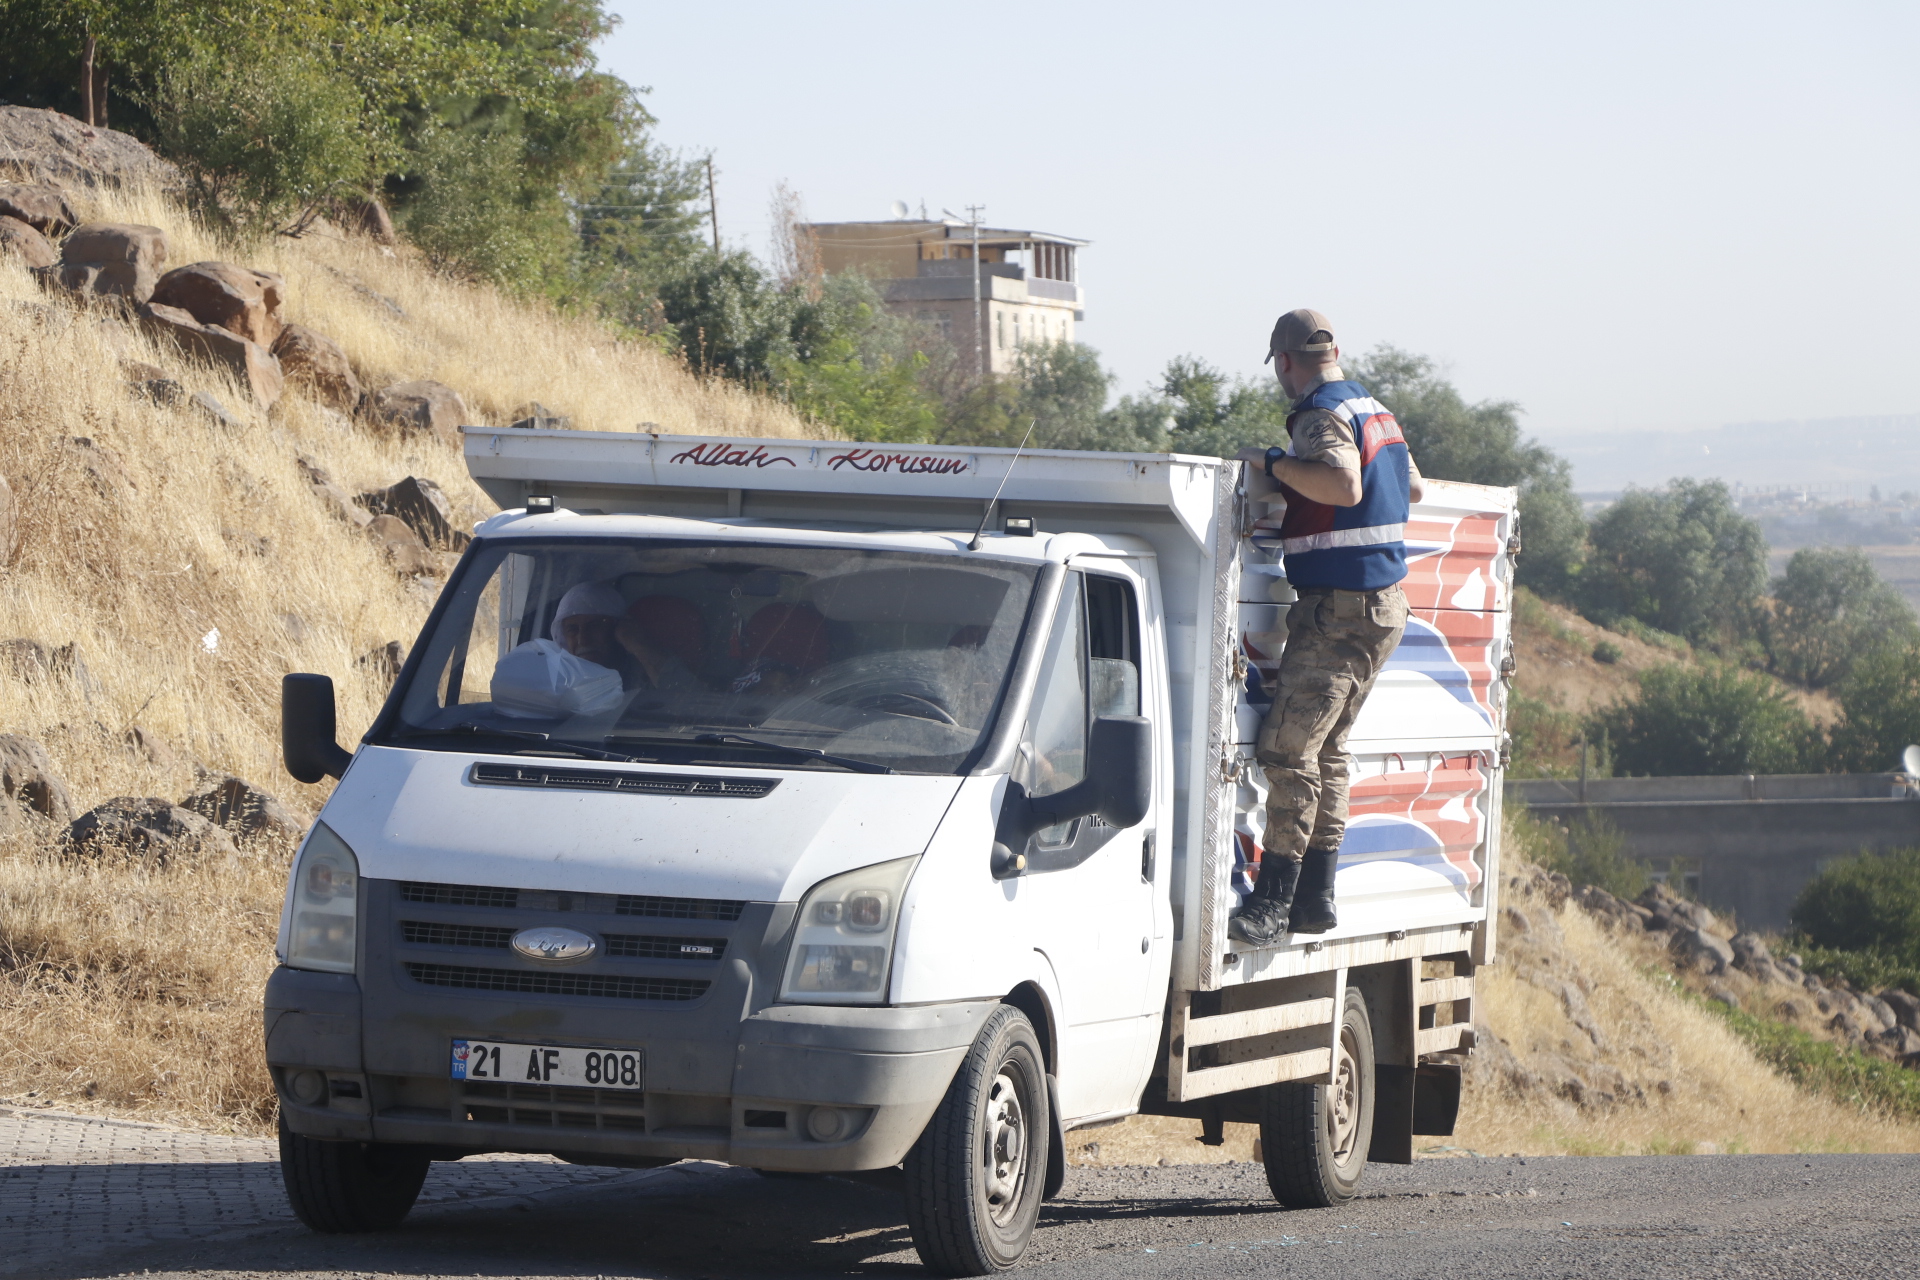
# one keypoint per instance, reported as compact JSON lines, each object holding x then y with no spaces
{"x":419,"y":815}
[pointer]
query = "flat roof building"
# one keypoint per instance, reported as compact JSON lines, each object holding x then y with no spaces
{"x":1027,"y":294}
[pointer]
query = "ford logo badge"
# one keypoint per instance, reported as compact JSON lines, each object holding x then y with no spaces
{"x":561,"y":946}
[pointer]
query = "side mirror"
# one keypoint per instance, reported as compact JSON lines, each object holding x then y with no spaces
{"x":307,"y":729}
{"x":1118,"y":787}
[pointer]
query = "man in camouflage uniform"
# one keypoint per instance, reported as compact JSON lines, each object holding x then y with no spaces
{"x":1348,"y":481}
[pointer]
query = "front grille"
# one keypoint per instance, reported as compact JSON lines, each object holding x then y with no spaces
{"x":424,"y":933}
{"x":459,"y":895}
{"x":678,"y":908}
{"x":531,"y":982}
{"x":646,"y":947}
{"x":639,"y":784}
{"x":552,"y":1106}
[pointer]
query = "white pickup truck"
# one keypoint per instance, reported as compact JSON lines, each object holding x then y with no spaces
{"x":826,"y":834}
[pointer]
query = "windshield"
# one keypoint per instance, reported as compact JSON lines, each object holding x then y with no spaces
{"x":652,"y":649}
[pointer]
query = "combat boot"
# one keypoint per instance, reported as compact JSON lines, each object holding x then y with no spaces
{"x":1262,"y":918}
{"x":1313,"y":902}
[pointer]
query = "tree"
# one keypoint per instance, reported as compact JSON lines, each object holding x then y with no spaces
{"x":1867,"y":903}
{"x":1709,"y":719}
{"x":1481,"y":444}
{"x":1830,"y":609}
{"x":1881,"y":698}
{"x":1681,"y":559}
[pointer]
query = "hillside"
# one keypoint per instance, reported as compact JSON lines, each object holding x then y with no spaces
{"x":162,"y":565}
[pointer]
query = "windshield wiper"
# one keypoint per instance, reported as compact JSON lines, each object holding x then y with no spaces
{"x":845,"y":762}
{"x":547,"y":744}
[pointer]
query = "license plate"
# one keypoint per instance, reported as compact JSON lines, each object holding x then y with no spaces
{"x":560,"y":1064}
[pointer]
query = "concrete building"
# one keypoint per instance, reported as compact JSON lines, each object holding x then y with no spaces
{"x":1028,"y":292}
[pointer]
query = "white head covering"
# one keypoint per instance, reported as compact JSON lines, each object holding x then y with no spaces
{"x":598,"y":598}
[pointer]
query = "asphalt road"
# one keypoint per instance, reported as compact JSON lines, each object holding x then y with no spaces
{"x":1635,"y":1217}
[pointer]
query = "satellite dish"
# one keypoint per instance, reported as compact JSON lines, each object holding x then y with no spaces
{"x":1910,"y":761}
{"x":899,"y":208}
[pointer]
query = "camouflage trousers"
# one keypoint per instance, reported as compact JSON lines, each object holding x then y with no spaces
{"x":1337,"y":641}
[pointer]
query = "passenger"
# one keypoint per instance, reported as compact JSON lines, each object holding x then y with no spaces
{"x":664,"y":636}
{"x":584,"y":623}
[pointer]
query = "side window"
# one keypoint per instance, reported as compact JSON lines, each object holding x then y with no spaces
{"x":1113,"y":639}
{"x":1056,"y":747}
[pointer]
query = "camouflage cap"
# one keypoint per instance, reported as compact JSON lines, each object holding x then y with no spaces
{"x":1301,"y":330}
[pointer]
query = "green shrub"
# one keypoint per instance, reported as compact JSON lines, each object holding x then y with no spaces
{"x":1607,"y":652}
{"x":1681,"y":559}
{"x":1831,"y":610}
{"x":1543,"y":739}
{"x":1869,"y":903}
{"x":1865,"y":970}
{"x":262,"y":135}
{"x":1709,"y":719}
{"x":1881,"y":697}
{"x":1844,"y":1075}
{"x":1589,"y":850}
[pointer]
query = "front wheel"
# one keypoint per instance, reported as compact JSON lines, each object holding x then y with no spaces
{"x":977,"y":1175}
{"x":1314,"y":1137}
{"x":349,"y":1187}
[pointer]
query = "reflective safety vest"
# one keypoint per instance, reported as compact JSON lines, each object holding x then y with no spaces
{"x":1362,"y":547}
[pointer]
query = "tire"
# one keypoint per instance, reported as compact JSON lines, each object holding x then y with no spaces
{"x":1315,"y":1136}
{"x":349,"y":1187}
{"x":977,"y":1174}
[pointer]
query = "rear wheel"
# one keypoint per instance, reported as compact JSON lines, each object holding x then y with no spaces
{"x":349,"y":1187}
{"x":977,"y":1175}
{"x":1315,"y":1136}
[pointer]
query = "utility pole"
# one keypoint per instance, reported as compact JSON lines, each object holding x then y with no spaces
{"x":979,"y":304}
{"x":713,"y":205}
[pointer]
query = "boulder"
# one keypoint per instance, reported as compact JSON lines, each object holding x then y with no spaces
{"x":149,"y":746}
{"x":251,"y":364}
{"x":28,"y":780}
{"x":369,"y":218}
{"x":110,"y":259}
{"x":385,"y":662}
{"x":422,"y":406}
{"x":42,"y":208}
{"x":1900,"y":1042}
{"x":1705,"y":951}
{"x":1905,"y":1006}
{"x":31,"y":662}
{"x":423,"y":505}
{"x":332,"y":494}
{"x":315,"y":361}
{"x":237,"y":299}
{"x":23,"y":242}
{"x":1663,"y":901}
{"x":216,"y":413}
{"x":59,"y":151}
{"x":242,"y":808}
{"x":534,"y":416}
{"x":106,"y":469}
{"x":404,"y":547}
{"x":147,"y":827}
{"x":1880,"y":1011}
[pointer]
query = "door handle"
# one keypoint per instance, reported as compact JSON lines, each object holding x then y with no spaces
{"x":1146,"y":857}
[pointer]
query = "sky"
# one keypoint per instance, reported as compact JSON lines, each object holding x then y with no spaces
{"x":1632,"y":216}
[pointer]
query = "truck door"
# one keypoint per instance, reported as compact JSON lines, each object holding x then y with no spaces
{"x":1090,"y":908}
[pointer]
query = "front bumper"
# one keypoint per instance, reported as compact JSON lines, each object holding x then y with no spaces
{"x":725,"y":1081}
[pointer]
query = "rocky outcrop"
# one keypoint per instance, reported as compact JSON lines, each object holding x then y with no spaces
{"x":28,"y":781}
{"x":317,"y":363}
{"x":120,"y":260}
{"x":60,"y":151}
{"x":423,"y":506}
{"x":20,"y":241}
{"x":336,"y":498}
{"x":242,"y":809}
{"x":145,"y":827}
{"x":251,"y":364}
{"x":369,"y":218}
{"x":31,"y":662}
{"x":237,"y":299}
{"x":421,"y":406}
{"x":42,"y":208}
{"x":405,"y":549}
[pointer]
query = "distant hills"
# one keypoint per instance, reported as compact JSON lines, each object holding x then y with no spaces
{"x":1838,"y":456}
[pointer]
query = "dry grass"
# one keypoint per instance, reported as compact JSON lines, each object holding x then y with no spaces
{"x":119,"y":986}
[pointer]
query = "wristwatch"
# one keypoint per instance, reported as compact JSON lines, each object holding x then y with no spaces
{"x":1274,"y":454}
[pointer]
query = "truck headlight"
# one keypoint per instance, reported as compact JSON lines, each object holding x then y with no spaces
{"x":319,"y":928}
{"x":843,"y":940}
